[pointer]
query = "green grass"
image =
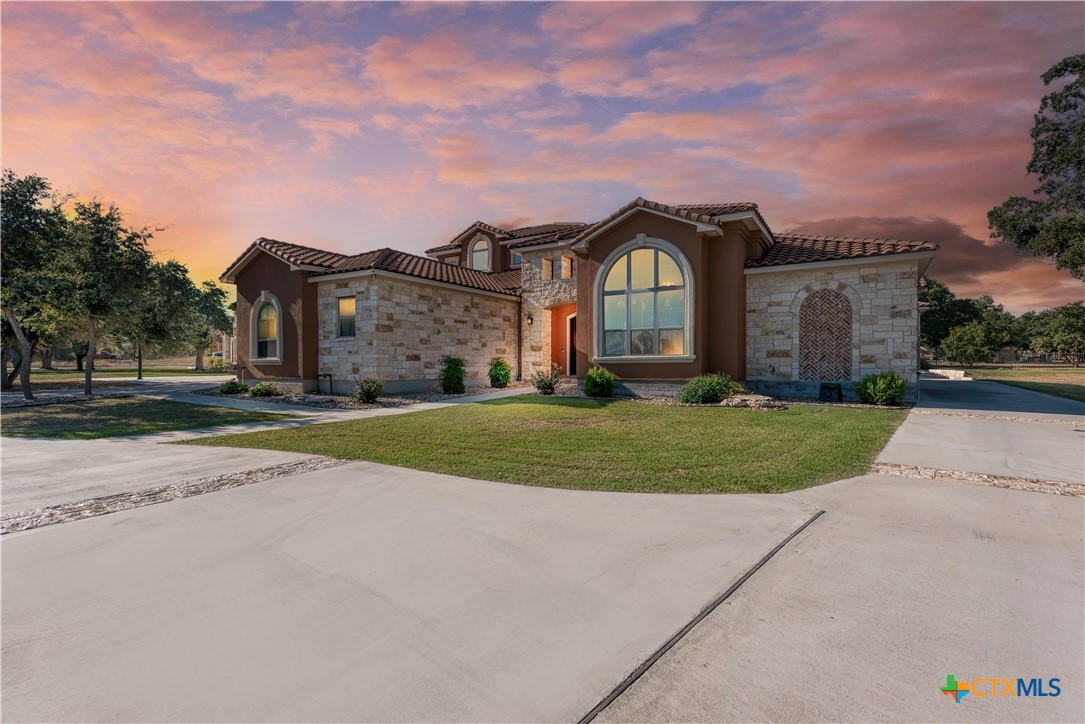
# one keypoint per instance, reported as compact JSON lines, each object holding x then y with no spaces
{"x":75,"y":386}
{"x":1066,"y":382}
{"x":120,"y":417}
{"x":607,"y":445}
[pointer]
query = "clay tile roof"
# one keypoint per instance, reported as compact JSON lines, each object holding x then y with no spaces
{"x":481,"y":225}
{"x":699,"y":213}
{"x":805,"y":248}
{"x":550,"y":228}
{"x":423,"y":267}
{"x":564,"y":232}
{"x":294,"y":254}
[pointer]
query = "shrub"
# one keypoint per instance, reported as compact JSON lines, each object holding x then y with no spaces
{"x":888,"y":388}
{"x":546,"y":383}
{"x":233,"y":387}
{"x":367,"y":390}
{"x":216,"y":363}
{"x":453,"y":371}
{"x":500,"y":372}
{"x":599,"y":382}
{"x":264,"y":389}
{"x":709,"y":389}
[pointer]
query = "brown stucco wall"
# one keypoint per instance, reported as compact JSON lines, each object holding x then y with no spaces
{"x":297,"y":297}
{"x":719,"y":303}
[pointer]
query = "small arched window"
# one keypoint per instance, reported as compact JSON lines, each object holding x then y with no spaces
{"x":266,"y":329}
{"x":645,"y":305}
{"x":266,"y":339}
{"x":480,"y":255}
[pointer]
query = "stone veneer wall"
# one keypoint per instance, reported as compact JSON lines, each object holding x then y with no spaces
{"x":537,"y":295}
{"x":885,"y":323}
{"x":403,"y":329}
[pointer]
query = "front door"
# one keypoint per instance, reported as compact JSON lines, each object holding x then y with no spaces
{"x":570,"y":344}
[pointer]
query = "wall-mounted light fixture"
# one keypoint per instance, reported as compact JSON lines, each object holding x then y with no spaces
{"x":530,"y":320}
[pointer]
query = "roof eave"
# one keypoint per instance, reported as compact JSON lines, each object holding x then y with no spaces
{"x":923,"y":257}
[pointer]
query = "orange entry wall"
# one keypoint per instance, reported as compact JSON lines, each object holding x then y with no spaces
{"x":559,"y":328}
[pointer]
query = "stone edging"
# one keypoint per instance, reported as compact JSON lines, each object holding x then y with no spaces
{"x":66,"y":512}
{"x":1053,"y":487}
{"x":1007,"y":418}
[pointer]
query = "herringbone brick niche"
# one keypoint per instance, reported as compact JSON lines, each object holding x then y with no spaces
{"x":825,"y":337}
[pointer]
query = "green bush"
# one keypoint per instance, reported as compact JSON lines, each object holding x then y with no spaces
{"x":232,"y":387}
{"x":264,"y":389}
{"x":709,"y":389}
{"x":888,"y":388}
{"x":367,"y":390}
{"x":500,"y":372}
{"x":546,"y":383}
{"x":453,"y":371}
{"x":599,"y":382}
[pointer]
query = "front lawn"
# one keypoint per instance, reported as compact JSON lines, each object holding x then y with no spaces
{"x":1066,"y":382}
{"x":607,"y":444}
{"x":119,"y":417}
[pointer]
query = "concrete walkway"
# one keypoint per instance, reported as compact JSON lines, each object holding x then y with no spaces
{"x":364,"y":593}
{"x":905,"y":581}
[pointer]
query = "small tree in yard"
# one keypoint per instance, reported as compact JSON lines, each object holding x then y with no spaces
{"x":1060,"y":331}
{"x":208,"y":314}
{"x":101,"y":272}
{"x":157,"y":318}
{"x":971,"y":343}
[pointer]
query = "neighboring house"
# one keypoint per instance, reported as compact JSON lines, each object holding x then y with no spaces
{"x":656,"y":294}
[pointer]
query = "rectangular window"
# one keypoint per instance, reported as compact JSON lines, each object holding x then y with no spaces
{"x":346,"y":316}
{"x":266,"y":348}
{"x":515,"y":259}
{"x":566,"y":267}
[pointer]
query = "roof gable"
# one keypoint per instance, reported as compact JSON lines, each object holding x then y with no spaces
{"x":707,"y":217}
{"x":810,"y":248}
{"x":295,"y":255}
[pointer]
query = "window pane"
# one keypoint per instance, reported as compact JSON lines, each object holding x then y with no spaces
{"x":480,"y":258}
{"x":272,"y":348}
{"x":555,"y":268}
{"x":671,"y":308}
{"x":261,"y":349}
{"x":643,"y":270}
{"x":614,"y":312}
{"x":616,"y":278}
{"x":517,"y":259}
{"x":670,"y":341}
{"x":346,"y":317}
{"x":642,"y":341}
{"x":669,"y":275}
{"x":265,"y":322}
{"x":615,"y":342}
{"x":641,"y":310}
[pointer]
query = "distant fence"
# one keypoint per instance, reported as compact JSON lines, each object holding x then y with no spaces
{"x":1052,"y":360}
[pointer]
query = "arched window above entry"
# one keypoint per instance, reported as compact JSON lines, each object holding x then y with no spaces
{"x":480,"y":255}
{"x":266,"y":329}
{"x":644,"y":302}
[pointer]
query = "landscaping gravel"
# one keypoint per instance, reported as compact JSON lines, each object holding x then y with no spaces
{"x":1053,"y":487}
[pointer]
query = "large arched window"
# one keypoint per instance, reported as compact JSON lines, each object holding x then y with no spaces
{"x":480,"y":255}
{"x":266,"y":329}
{"x":645,"y":302}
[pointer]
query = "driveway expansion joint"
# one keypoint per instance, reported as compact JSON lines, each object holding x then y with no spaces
{"x":1034,"y":485}
{"x":670,"y":643}
{"x":22,"y":520}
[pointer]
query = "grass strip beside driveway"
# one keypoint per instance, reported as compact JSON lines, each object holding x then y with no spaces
{"x":614,"y":445}
{"x":120,"y":417}
{"x":1065,"y":382}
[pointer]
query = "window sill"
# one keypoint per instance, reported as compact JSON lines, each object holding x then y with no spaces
{"x":266,"y":361}
{"x":639,"y":359}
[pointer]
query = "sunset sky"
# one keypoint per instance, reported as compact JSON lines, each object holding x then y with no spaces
{"x":354,"y":126}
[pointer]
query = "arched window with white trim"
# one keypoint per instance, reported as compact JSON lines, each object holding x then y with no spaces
{"x":266,"y":329}
{"x":480,"y":255}
{"x":644,"y":302}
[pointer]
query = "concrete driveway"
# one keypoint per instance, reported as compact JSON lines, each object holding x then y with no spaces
{"x":364,"y":593}
{"x":904,"y":581}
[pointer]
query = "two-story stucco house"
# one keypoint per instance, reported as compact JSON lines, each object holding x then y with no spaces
{"x":656,"y":294}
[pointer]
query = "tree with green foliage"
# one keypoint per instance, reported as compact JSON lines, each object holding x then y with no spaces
{"x":943,"y":313}
{"x":1060,"y":331}
{"x":206,"y":315}
{"x":103,"y":271}
{"x":1053,"y":224}
{"x":971,"y":343}
{"x":156,"y":320}
{"x":33,"y":229}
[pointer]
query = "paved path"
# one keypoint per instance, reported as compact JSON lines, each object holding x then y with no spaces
{"x":364,"y":593}
{"x":905,"y":581}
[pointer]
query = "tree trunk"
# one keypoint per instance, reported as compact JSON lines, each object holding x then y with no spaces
{"x":46,"y":354}
{"x":199,"y":358}
{"x":27,"y":354}
{"x":139,"y":361}
{"x":92,"y":328}
{"x":5,"y":357}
